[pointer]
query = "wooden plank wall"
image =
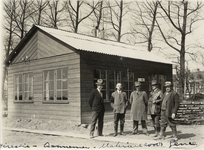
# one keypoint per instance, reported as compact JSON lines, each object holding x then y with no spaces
{"x":141,"y":69}
{"x":30,"y":50}
{"x":49,"y":47}
{"x":41,"y":110}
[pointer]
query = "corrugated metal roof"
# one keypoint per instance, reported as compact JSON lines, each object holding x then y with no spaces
{"x":92,"y":44}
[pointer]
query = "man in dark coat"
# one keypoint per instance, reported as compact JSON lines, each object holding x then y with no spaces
{"x":118,"y":103}
{"x":169,"y":108}
{"x":154,"y":106}
{"x":98,"y":109}
{"x":138,"y":112}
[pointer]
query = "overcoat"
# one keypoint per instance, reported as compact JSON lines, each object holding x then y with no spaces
{"x":96,"y":101}
{"x":155,"y":108}
{"x":118,"y":102}
{"x":172,"y":103}
{"x":138,"y":101}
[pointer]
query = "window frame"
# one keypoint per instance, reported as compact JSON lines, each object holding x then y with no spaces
{"x":107,"y":80}
{"x":23,"y":87}
{"x":55,"y":101}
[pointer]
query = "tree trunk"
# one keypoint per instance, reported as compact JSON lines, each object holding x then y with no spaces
{"x":182,"y":53}
{"x":120,"y":20}
{"x":77,"y":18}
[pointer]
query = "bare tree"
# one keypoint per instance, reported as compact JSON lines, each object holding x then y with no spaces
{"x":181,"y":17}
{"x":144,"y":17}
{"x":117,"y":13}
{"x":75,"y":14}
{"x":39,"y":6}
{"x":54,"y":14}
{"x":22,"y":16}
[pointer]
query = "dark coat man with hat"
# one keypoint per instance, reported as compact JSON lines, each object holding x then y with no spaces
{"x":98,"y":109}
{"x":169,"y":108}
{"x":118,"y":103}
{"x":138,"y":101}
{"x":154,"y":106}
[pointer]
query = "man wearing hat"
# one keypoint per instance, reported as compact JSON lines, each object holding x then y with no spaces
{"x":118,"y":103}
{"x":154,"y":106}
{"x":169,"y":107}
{"x":138,"y":101}
{"x":98,"y":109}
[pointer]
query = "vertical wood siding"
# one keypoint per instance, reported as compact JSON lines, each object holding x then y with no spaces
{"x":141,"y":69}
{"x":37,"y":109}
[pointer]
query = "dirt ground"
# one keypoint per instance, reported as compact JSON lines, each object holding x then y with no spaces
{"x":186,"y":134}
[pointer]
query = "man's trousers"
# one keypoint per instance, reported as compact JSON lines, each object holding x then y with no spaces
{"x":97,"y":116}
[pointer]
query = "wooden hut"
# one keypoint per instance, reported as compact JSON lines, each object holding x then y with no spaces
{"x":52,"y":72}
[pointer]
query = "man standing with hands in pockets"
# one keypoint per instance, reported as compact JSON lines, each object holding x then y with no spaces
{"x":119,"y":103}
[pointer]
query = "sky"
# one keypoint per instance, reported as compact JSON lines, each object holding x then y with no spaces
{"x":197,"y":35}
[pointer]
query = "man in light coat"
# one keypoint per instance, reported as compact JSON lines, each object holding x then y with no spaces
{"x":154,"y":106}
{"x":138,"y":101}
{"x":98,"y":109}
{"x":169,"y":108}
{"x":119,"y":103}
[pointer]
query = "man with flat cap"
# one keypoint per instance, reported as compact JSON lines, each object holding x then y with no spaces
{"x":138,"y":101}
{"x":169,"y":108}
{"x":98,"y":109}
{"x":154,"y":106}
{"x":119,"y":103}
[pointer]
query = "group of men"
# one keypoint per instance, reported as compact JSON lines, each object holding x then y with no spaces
{"x":161,"y":107}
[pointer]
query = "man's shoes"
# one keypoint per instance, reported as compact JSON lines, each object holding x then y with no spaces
{"x":115,"y":134}
{"x":122,"y":133}
{"x":135,"y":133}
{"x":101,"y":135}
{"x":147,"y":134}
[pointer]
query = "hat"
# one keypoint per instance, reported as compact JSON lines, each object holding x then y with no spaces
{"x":154,"y":82}
{"x":100,"y":82}
{"x":137,"y":83}
{"x":167,"y":83}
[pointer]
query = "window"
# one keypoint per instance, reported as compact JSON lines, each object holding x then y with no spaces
{"x":23,"y":87}
{"x":101,"y":74}
{"x":114,"y":78}
{"x":111,"y":78}
{"x":160,"y":79}
{"x":128,"y":82}
{"x":55,"y":85}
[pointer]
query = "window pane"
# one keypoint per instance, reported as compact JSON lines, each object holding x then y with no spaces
{"x":64,"y":84}
{"x":118,"y":78}
{"x":111,"y":75}
{"x":20,"y":78}
{"x":30,"y":95}
{"x":51,"y":95}
{"x":59,"y":95}
{"x":111,"y":85}
{"x":16,"y":79}
{"x":31,"y":77}
{"x":96,"y":73}
{"x":124,"y":76}
{"x":46,"y":75}
{"x":64,"y":73}
{"x":103,"y":74}
{"x":125,"y":85}
{"x":20,"y":87}
{"x":51,"y":85}
{"x":26,"y":79}
{"x":26,"y":88}
{"x":131,"y":76}
{"x":20,"y":96}
{"x":26,"y":94}
{"x":59,"y":74}
{"x":131,"y":87}
{"x":59,"y":85}
{"x":65,"y":95}
{"x":46,"y":95}
{"x":51,"y":73}
{"x":16,"y":97}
